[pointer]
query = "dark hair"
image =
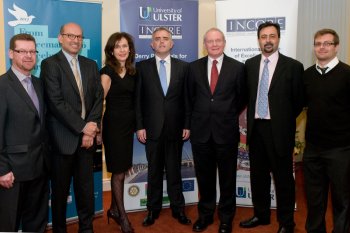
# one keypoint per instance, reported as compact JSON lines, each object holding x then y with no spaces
{"x":22,"y":36}
{"x":327,"y":31}
{"x":269,"y":24}
{"x":112,"y":61}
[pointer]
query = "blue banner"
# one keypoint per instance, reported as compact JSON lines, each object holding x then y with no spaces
{"x":141,"y":17}
{"x":43,"y":19}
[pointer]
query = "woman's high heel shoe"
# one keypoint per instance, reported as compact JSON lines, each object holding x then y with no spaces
{"x":113,"y":215}
{"x":125,"y":226}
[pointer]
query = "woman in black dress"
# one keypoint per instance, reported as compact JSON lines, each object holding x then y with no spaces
{"x":118,"y":81}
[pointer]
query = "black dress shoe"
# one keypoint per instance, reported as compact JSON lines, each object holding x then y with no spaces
{"x":284,"y":229}
{"x":253,"y":222}
{"x":151,"y":217}
{"x":200,"y":225}
{"x":181,"y":217}
{"x":225,"y":228}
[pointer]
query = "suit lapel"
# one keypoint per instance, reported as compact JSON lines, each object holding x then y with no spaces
{"x":18,"y":87}
{"x":84,"y":74}
{"x":38,"y":89}
{"x":255,"y":66}
{"x":155,"y":75}
{"x":205,"y":77}
{"x":68,"y":71}
{"x":279,"y":67}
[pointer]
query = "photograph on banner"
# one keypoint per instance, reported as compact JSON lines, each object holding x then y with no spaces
{"x":136,"y":179}
{"x":42,"y":19}
{"x":140,"y":18}
{"x":239,"y":21}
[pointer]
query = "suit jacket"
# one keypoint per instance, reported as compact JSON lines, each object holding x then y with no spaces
{"x":216,"y":114}
{"x":23,"y":139}
{"x":156,"y":112}
{"x":64,"y":120}
{"x":285,"y":100}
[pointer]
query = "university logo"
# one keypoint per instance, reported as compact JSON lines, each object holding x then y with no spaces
{"x":21,"y":16}
{"x":145,"y":13}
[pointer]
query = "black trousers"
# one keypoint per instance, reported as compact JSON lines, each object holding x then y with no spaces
{"x":164,"y":156}
{"x":210,"y":158}
{"x":324,"y":170}
{"x":25,"y":205}
{"x":263,"y":161}
{"x":78,"y":166}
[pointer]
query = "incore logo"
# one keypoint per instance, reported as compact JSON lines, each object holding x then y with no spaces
{"x":252,"y":24}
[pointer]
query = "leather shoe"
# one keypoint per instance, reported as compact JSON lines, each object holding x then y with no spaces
{"x":181,"y":217}
{"x":253,"y":222}
{"x":225,"y":228}
{"x":283,"y":229}
{"x":150,"y":219}
{"x":200,"y":225}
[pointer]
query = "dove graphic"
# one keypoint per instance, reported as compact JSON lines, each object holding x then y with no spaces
{"x":21,"y":16}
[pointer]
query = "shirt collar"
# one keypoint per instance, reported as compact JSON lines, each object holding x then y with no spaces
{"x":167,"y":59}
{"x":19,"y":75}
{"x":272,"y":58}
{"x":69,"y":57}
{"x":330,"y":65}
{"x":219,"y":59}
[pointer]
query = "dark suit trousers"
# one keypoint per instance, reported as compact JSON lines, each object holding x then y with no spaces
{"x":25,"y":204}
{"x":263,"y":161}
{"x":79,"y":166}
{"x":164,"y":155}
{"x":208,"y":158}
{"x":324,"y":169}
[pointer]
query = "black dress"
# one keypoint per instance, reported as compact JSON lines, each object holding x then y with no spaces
{"x":119,"y":121}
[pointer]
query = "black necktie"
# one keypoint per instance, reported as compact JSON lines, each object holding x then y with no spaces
{"x":323,"y":70}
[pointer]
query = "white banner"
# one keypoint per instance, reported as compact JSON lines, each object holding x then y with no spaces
{"x":239,"y":20}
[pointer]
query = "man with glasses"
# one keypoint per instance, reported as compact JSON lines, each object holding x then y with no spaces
{"x":74,"y":97}
{"x":327,"y":153}
{"x":24,"y":187}
{"x":275,"y":99}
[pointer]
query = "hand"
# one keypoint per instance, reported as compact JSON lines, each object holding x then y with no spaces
{"x":87,"y":141}
{"x":141,"y":135}
{"x":7,"y":180}
{"x":99,"y":139}
{"x":91,"y":129}
{"x":185,"y":134}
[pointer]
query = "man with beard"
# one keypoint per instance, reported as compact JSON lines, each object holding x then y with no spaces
{"x":275,"y":99}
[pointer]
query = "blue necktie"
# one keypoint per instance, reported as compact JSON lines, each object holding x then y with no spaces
{"x":263,"y":91}
{"x":162,"y":76}
{"x":31,"y":92}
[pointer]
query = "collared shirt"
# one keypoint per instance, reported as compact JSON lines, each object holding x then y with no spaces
{"x":330,"y":65}
{"x":273,"y":58}
{"x":21,"y":77}
{"x":218,"y":65}
{"x":167,"y":64}
{"x":69,"y":59}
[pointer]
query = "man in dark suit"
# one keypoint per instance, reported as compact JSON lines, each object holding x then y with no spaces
{"x":162,"y":123}
{"x":326,"y":159}
{"x":216,"y":90}
{"x":275,"y":99}
{"x":74,"y":97}
{"x":24,"y":187}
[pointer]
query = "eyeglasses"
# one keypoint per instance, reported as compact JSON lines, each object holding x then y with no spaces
{"x":324,"y":44}
{"x":24,"y":52}
{"x":72,"y":36}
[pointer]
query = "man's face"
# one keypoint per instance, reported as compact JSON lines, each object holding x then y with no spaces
{"x":162,"y":43}
{"x":324,"y":48}
{"x":214,"y":43}
{"x":70,"y":45}
{"x":23,"y":56}
{"x":268,"y":40}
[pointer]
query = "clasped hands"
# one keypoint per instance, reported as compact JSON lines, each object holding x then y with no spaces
{"x":90,"y":131}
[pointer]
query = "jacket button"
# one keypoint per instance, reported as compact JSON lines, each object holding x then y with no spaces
{"x":212,"y":100}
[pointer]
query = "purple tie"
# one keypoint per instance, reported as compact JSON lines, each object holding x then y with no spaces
{"x":31,"y":92}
